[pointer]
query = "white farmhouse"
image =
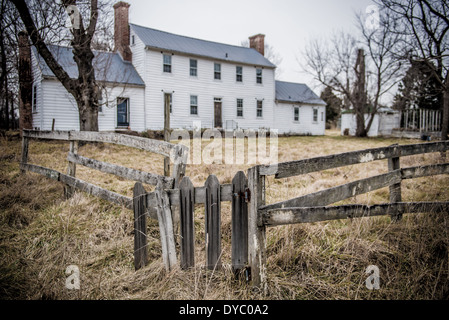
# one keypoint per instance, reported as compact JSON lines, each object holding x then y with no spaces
{"x":215,"y":84}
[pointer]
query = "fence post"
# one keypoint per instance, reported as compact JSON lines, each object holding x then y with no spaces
{"x":25,"y":144}
{"x":239,"y":240}
{"x":71,"y":169}
{"x":256,"y":231}
{"x":140,"y":226}
{"x":186,"y":203}
{"x":164,"y":218}
{"x":212,"y":207}
{"x":395,"y":189}
{"x":167,"y":131}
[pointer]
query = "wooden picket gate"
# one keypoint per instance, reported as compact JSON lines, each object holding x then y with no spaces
{"x":158,"y":205}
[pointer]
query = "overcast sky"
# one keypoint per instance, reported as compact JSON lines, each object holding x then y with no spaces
{"x":287,"y":24}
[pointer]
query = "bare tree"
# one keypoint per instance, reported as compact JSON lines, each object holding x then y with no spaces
{"x":8,"y":66}
{"x":47,"y":23}
{"x":384,"y":69}
{"x":424,"y":29}
{"x":362,"y":70}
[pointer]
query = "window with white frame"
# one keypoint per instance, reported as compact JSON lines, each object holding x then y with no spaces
{"x":296,"y":114}
{"x":259,"y":111}
{"x":239,"y":107}
{"x":259,"y":75}
{"x":194,"y":105}
{"x":34,"y":103}
{"x":217,"y":71}
{"x":193,"y":67}
{"x":167,"y":63}
{"x":239,"y":74}
{"x":315,"y":115}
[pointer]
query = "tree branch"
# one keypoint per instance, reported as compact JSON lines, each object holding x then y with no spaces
{"x":42,"y":48}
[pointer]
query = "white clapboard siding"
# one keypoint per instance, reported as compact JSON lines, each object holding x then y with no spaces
{"x":182,"y":86}
{"x":61,"y":106}
{"x":284,"y":119}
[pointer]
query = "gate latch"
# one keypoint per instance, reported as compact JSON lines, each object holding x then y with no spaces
{"x":244,"y":195}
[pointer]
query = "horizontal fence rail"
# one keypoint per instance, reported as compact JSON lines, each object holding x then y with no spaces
{"x":284,"y":216}
{"x":80,"y":185}
{"x":120,"y":171}
{"x":156,"y":146}
{"x":294,"y":168}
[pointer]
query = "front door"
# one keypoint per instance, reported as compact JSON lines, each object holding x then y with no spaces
{"x":217,"y":112}
{"x":122,"y":112}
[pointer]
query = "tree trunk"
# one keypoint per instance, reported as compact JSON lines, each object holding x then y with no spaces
{"x":445,"y":124}
{"x":25,"y":83}
{"x":88,"y":110}
{"x":360,"y":94}
{"x":360,"y":122}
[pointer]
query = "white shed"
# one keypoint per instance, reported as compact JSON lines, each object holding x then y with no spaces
{"x":383,"y":124}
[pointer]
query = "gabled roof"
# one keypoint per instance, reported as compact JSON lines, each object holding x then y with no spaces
{"x":161,"y":40}
{"x":296,"y":93}
{"x":109,"y":66}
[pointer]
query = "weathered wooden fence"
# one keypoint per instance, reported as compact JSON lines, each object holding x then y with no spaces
{"x":157,"y":205}
{"x":175,"y":197}
{"x":315,"y":207}
{"x":177,"y":153}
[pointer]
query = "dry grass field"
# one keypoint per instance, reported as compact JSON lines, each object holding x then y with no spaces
{"x":41,"y":233}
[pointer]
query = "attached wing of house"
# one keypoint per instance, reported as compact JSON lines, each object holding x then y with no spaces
{"x":299,"y":110}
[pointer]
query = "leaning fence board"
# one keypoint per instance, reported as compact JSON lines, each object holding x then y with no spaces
{"x":335,"y":194}
{"x":256,"y":231}
{"x":294,"y":168}
{"x":80,"y":185}
{"x":239,"y":238}
{"x":140,"y":227}
{"x":284,"y":216}
{"x":124,"y":172}
{"x":187,"y":200}
{"x":165,"y":227}
{"x":213,"y":223}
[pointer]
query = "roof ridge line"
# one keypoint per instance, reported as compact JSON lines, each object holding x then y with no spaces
{"x":192,"y":38}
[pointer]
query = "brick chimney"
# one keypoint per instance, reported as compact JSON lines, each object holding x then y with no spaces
{"x":25,"y":83}
{"x":258,"y":42}
{"x":121,"y":30}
